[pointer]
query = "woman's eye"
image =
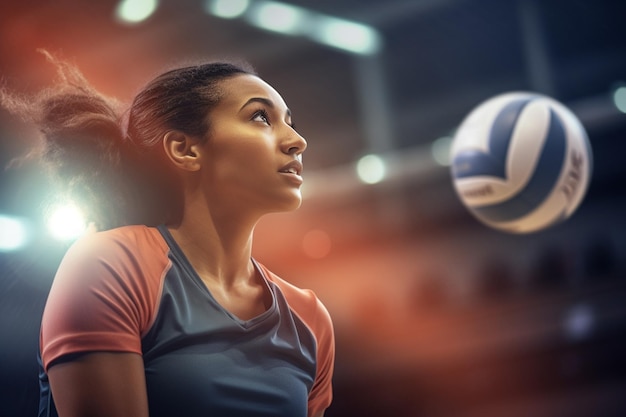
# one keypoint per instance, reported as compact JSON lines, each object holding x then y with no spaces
{"x":261,"y":116}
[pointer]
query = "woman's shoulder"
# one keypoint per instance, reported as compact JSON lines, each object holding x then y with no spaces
{"x":135,"y":237}
{"x":122,"y":244}
{"x":105,"y":293}
{"x":129,"y":234}
{"x":303,"y":301}
{"x":127,"y":261}
{"x":290,"y":290}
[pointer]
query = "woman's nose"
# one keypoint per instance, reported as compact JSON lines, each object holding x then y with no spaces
{"x":294,"y":144}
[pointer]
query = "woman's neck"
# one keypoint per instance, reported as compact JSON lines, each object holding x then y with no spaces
{"x":218,"y":247}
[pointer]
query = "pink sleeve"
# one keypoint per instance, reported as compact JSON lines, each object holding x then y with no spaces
{"x":104,"y":295}
{"x":310,"y":309}
{"x":322,"y":393}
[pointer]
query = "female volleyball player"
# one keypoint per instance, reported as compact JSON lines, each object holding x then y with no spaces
{"x":164,"y":312}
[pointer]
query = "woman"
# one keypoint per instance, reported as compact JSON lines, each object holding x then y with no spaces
{"x":166,"y":313}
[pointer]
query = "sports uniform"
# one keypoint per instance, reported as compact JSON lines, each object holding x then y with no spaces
{"x":132,"y":289}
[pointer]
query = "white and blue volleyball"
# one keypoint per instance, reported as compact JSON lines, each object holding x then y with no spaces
{"x":521,"y":162}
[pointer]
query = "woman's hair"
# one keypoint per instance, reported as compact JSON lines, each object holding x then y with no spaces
{"x":115,"y":168}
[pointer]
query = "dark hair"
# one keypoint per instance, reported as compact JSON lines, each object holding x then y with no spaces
{"x":117,"y":171}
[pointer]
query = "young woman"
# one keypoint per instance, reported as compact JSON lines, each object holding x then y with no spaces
{"x":163,"y":312}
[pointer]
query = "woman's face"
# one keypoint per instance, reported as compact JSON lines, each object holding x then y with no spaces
{"x":253,"y":154}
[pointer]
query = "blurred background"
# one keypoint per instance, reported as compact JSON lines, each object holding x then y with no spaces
{"x":435,"y":314}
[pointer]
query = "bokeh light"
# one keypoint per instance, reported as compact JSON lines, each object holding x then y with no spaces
{"x":278,"y":17}
{"x":135,"y":11}
{"x":371,"y":169}
{"x":578,"y":322}
{"x":227,"y":9}
{"x":346,"y":35}
{"x":440,"y":150}
{"x":619,"y":98}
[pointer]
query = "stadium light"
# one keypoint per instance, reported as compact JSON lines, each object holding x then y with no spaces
{"x":226,"y":9}
{"x":346,"y":35}
{"x":353,"y":37}
{"x":135,"y":11}
{"x":278,"y":17}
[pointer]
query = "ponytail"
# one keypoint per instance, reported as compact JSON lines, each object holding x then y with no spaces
{"x":122,"y":176}
{"x":83,"y":143}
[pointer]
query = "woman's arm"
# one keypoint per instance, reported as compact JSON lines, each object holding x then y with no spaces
{"x":100,"y":384}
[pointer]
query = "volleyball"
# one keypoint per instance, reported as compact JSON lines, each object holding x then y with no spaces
{"x":521,"y":162}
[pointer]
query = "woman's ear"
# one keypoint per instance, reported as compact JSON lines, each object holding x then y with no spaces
{"x":182,"y":150}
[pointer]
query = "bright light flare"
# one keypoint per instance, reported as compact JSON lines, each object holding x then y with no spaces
{"x":14,"y":233}
{"x":66,"y":222}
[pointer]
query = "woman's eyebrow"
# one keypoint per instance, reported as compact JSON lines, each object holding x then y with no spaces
{"x":266,"y":101}
{"x":269,"y":103}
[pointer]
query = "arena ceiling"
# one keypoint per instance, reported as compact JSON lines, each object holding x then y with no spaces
{"x":439,"y":59}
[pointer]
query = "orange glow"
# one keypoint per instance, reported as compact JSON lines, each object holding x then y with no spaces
{"x":316,"y":244}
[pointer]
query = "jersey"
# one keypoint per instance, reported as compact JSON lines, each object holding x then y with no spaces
{"x":132,"y":289}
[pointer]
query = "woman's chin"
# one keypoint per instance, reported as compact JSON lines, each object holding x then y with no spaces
{"x":290,"y":204}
